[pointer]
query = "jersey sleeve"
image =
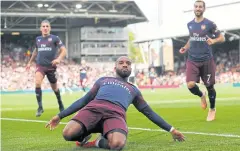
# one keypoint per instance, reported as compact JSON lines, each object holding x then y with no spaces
{"x":214,"y":30}
{"x":35,"y":44}
{"x":139,"y":101}
{"x":96,"y":87}
{"x":188,"y":25}
{"x":59,"y":43}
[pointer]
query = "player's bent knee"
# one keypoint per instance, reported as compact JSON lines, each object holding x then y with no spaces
{"x":38,"y":85}
{"x":72,"y":131}
{"x":38,"y":82}
{"x":117,"y":139}
{"x":72,"y":135}
{"x":211,"y":87}
{"x":68,"y":134}
{"x":191,"y":84}
{"x":117,"y":144}
{"x":54,"y":87}
{"x":110,"y":136}
{"x":67,"y":137}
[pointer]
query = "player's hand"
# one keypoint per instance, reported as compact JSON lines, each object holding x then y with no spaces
{"x":55,"y":62}
{"x":210,"y":41}
{"x":177,"y":136}
{"x":53,"y":123}
{"x":28,"y":66}
{"x":183,"y":50}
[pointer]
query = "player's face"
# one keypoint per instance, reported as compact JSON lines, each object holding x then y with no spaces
{"x":199,"y":9}
{"x":45,"y":29}
{"x":123,"y":67}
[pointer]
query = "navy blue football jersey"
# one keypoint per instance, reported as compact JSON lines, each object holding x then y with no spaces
{"x":199,"y":49}
{"x":47,"y":48}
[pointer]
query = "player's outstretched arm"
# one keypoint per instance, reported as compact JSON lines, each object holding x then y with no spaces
{"x":155,"y":118}
{"x":77,"y":105}
{"x":142,"y":106}
{"x":53,"y":123}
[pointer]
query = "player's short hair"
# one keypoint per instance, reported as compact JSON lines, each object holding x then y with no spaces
{"x":201,"y":1}
{"x":121,"y":57}
{"x":45,"y":21}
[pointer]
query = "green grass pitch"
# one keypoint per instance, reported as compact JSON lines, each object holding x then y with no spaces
{"x":177,"y":106}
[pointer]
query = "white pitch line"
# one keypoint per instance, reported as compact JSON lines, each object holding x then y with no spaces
{"x":132,"y":128}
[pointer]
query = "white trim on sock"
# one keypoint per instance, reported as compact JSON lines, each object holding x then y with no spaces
{"x":97,"y":143}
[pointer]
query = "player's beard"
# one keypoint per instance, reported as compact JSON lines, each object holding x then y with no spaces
{"x":123,"y":74}
{"x":198,"y":14}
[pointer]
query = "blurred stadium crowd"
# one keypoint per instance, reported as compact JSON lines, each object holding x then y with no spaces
{"x":15,"y":77}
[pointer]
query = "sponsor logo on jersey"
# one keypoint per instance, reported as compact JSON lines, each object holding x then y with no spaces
{"x":196,"y":37}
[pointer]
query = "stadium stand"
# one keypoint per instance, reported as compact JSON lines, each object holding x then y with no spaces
{"x":98,"y":44}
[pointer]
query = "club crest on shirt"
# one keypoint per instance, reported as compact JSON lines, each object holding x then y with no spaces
{"x":203,"y":27}
{"x":49,"y":39}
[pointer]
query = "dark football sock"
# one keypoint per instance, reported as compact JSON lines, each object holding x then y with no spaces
{"x":211,"y":96}
{"x":83,"y":88}
{"x":196,"y":91}
{"x":57,"y":93}
{"x":38,"y":92}
{"x":103,"y":143}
